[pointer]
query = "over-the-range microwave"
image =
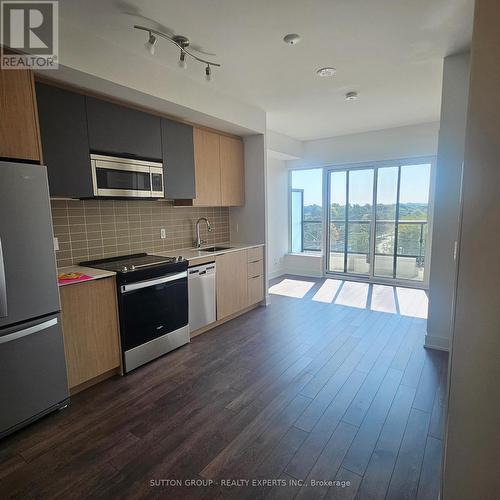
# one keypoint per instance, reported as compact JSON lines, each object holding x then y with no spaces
{"x":125,"y":177}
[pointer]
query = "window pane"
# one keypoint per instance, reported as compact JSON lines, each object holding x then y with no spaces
{"x":337,"y":246}
{"x":296,"y":225}
{"x":307,"y":228}
{"x":337,"y":189}
{"x":359,"y":215}
{"x":385,"y":225}
{"x":413,"y":219}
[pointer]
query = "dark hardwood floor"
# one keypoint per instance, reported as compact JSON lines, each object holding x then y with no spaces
{"x":329,"y":384}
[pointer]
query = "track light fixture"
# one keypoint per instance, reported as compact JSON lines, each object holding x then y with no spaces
{"x":182,"y":43}
{"x":182,"y":60}
{"x":208,"y":73}
{"x":151,"y":43}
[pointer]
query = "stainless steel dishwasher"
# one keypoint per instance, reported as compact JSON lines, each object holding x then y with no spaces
{"x":201,"y":287}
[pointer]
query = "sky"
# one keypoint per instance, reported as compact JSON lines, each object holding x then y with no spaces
{"x":415,"y":181}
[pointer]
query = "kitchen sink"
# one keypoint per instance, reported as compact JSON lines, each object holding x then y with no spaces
{"x":213,"y":249}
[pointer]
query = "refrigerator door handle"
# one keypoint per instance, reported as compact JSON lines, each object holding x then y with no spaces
{"x":28,"y":331}
{"x":3,"y":286}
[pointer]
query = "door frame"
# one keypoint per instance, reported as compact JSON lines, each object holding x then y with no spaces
{"x":375,"y":165}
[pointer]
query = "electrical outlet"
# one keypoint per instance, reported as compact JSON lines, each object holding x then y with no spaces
{"x":56,"y":244}
{"x":163,"y":233}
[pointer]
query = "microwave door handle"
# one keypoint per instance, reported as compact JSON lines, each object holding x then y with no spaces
{"x":148,"y":283}
{"x":3,"y":286}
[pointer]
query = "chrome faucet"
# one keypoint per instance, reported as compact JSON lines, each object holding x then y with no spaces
{"x":198,"y":242}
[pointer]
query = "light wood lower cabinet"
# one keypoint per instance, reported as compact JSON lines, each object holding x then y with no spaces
{"x":240,"y":281}
{"x":232,"y":294}
{"x":90,"y":327}
{"x":255,"y":290}
{"x":255,"y":273}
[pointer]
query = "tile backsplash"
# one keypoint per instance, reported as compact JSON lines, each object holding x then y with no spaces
{"x":94,"y":229}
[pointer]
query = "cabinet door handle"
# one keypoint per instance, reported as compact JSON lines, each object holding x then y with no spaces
{"x":3,"y":286}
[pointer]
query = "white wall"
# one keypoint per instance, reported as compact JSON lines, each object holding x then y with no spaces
{"x":284,"y":147}
{"x":445,"y":229}
{"x":473,"y":432}
{"x":304,"y":265}
{"x":277,"y":206}
{"x":401,"y":142}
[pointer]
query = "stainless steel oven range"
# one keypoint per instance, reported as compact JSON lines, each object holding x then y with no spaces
{"x":152,"y":303}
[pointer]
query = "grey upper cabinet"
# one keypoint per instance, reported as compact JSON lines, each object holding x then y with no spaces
{"x":178,"y":160}
{"x":118,"y":130}
{"x":63,"y":128}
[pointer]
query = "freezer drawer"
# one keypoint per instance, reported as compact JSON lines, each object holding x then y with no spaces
{"x":32,"y":372}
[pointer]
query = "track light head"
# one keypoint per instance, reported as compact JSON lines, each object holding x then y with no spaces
{"x":208,"y":73}
{"x":151,"y":43}
{"x":182,"y":60}
{"x":182,"y":43}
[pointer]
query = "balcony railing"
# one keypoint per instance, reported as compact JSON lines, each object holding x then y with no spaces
{"x":411,"y":243}
{"x":312,"y":235}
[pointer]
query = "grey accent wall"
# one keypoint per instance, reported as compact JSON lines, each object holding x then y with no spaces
{"x":445,"y":231}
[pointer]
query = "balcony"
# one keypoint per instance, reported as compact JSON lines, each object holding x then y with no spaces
{"x":407,"y":263}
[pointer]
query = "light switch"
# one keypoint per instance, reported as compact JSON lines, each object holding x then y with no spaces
{"x":56,"y":244}
{"x":163,"y":233}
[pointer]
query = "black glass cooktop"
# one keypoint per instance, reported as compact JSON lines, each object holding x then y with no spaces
{"x":126,"y":263}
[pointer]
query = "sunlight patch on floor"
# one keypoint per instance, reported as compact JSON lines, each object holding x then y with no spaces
{"x":353,"y":294}
{"x":384,"y":299}
{"x":412,"y":302}
{"x":328,"y":291}
{"x":291,"y":288}
{"x":380,"y":298}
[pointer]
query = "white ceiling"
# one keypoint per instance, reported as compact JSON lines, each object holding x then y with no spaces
{"x":390,"y":51}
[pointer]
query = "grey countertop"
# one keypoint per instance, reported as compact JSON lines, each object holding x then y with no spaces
{"x":193,"y":254}
{"x":190,"y":254}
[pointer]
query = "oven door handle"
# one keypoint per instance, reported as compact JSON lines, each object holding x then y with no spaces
{"x":156,"y":281}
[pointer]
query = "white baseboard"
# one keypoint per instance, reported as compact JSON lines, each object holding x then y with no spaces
{"x":276,"y":273}
{"x":438,"y":343}
{"x":304,"y":272}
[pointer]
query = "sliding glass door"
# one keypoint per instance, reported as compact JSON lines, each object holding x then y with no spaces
{"x":378,"y":221}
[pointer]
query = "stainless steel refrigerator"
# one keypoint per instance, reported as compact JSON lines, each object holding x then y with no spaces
{"x":32,"y":365}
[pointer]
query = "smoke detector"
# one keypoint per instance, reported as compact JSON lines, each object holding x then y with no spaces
{"x":291,"y":39}
{"x":326,"y":71}
{"x":351,"y":96}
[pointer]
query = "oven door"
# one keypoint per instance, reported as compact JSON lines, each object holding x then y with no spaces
{"x":150,"y":309}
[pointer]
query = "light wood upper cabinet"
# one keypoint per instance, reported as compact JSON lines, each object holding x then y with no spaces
{"x":19,"y":133}
{"x":219,"y":170}
{"x":90,"y":328}
{"x":232,"y":286}
{"x":207,"y":168}
{"x":232,"y":171}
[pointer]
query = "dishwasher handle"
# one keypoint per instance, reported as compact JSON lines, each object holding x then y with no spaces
{"x":203,"y":270}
